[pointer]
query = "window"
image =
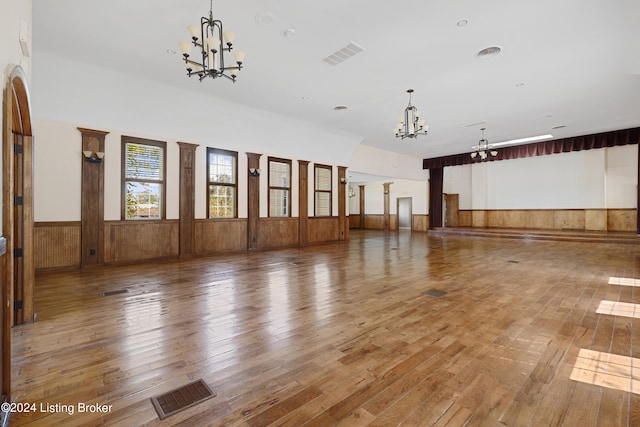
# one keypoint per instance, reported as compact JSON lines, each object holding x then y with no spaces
{"x":143,"y":183}
{"x":279,"y":187}
{"x":322,"y":190}
{"x":222,"y":183}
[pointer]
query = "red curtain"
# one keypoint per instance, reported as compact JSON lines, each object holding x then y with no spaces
{"x":577,"y":143}
{"x":435,"y":197}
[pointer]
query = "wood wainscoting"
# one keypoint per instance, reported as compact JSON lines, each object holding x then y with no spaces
{"x":57,"y":244}
{"x":324,"y":229}
{"x":220,"y":235}
{"x":376,"y":222}
{"x":354,"y":221}
{"x":551,"y":219}
{"x":133,"y":241}
{"x":278,"y":233}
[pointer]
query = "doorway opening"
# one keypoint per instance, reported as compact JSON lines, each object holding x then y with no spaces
{"x":405,"y":215}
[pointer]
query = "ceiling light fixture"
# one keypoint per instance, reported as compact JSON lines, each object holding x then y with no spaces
{"x":411,"y":125}
{"x":483,"y":150}
{"x":208,"y":38}
{"x":523,"y":140}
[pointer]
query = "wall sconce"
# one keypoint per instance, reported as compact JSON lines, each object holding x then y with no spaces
{"x":254,"y":172}
{"x":93,"y":157}
{"x":351,"y":192}
{"x":343,"y":181}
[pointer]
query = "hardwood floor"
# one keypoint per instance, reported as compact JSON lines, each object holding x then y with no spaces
{"x":343,"y":334}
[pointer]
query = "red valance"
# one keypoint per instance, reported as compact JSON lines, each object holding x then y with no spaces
{"x":565,"y":145}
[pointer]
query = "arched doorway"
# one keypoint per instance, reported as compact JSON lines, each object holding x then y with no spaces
{"x":17,"y":215}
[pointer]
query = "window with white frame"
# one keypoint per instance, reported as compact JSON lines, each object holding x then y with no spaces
{"x":322,"y":186}
{"x":222,"y":183}
{"x":279,"y":187}
{"x":143,"y":178}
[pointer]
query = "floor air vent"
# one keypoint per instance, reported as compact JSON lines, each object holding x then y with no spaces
{"x":181,"y":398}
{"x":110,"y":293}
{"x":434,"y":293}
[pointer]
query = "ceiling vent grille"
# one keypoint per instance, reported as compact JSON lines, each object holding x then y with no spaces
{"x":343,"y":54}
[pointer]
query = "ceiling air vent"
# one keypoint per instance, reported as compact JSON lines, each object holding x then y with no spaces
{"x":343,"y":54}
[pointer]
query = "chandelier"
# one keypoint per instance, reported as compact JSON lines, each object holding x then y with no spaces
{"x":411,"y":125}
{"x":210,"y":40}
{"x":483,"y":150}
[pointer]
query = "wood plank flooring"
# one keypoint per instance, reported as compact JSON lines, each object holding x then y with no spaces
{"x":343,"y":334}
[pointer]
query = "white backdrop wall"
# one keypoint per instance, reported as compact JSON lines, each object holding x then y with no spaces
{"x":590,"y":179}
{"x":621,"y":178}
{"x":374,"y":196}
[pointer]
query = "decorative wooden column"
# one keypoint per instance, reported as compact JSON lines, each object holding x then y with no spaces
{"x":303,"y":203}
{"x":92,"y":214}
{"x":343,"y":224}
{"x":386,"y":205}
{"x":253,"y":211}
{"x":187,"y":199}
{"x":361,"y":206}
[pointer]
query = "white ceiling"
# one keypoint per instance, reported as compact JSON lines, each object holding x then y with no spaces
{"x":579,"y":61}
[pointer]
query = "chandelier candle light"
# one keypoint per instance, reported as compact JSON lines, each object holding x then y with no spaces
{"x":483,"y":150}
{"x":411,"y":125}
{"x":208,"y":38}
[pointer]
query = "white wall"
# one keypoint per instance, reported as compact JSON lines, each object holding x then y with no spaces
{"x":10,"y":52}
{"x":373,"y":161}
{"x":590,"y":179}
{"x":57,"y":190}
{"x":457,"y":180}
{"x":621,"y":177}
{"x":374,"y":196}
{"x":74,"y":92}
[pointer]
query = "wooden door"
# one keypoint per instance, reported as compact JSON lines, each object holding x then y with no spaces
{"x":18,"y":230}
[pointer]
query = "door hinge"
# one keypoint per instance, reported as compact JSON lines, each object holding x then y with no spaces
{"x":17,"y":252}
{"x":17,"y":148}
{"x":17,"y":305}
{"x":17,"y":201}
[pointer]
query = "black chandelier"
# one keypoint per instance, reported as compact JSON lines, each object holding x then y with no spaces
{"x":210,"y":39}
{"x":483,"y":150}
{"x":411,"y":125}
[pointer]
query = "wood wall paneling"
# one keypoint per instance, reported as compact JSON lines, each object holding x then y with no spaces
{"x":374,"y":222}
{"x":385,"y":186}
{"x":622,"y":219}
{"x":303,"y":202}
{"x":323,"y":229}
{"x":362,"y":212}
{"x":452,"y":208}
{"x":595,"y":219}
{"x":187,"y":198}
{"x":552,"y":219}
{"x":343,"y":227}
{"x":253,"y":210}
{"x":354,"y":221}
{"x":464,"y":218}
{"x":132,"y":241}
{"x":420,"y":223}
{"x":58,"y":245}
{"x":278,"y":233}
{"x":220,"y":235}
{"x":92,"y":213}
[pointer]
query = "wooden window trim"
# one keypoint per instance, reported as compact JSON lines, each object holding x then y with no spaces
{"x":123,"y":189}
{"x":270,"y":187}
{"x":233,"y":154}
